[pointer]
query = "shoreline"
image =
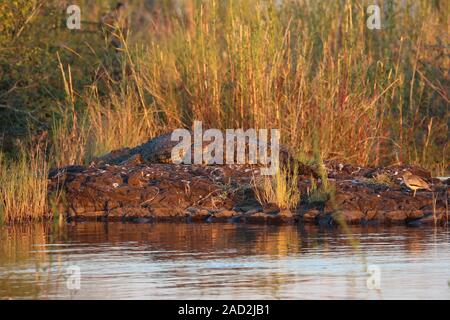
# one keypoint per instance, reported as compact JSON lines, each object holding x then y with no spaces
{"x":188,"y":193}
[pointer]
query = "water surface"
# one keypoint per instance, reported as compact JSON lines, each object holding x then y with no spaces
{"x":222,"y":261}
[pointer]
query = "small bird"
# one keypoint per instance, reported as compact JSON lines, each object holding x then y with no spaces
{"x":415,"y":182}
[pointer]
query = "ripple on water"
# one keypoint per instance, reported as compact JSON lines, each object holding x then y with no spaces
{"x":223,"y":261}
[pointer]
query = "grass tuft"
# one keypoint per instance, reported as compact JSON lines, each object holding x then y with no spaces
{"x":280,"y":189}
{"x":23,"y":186}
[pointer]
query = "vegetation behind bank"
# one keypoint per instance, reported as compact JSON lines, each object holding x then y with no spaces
{"x":311,"y":68}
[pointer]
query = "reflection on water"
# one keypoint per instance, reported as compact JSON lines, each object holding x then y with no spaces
{"x":222,"y":261}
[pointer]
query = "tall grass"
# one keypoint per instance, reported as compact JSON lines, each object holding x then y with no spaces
{"x":121,"y":117}
{"x":23,"y":186}
{"x":116,"y":122}
{"x":311,"y":68}
{"x":69,"y":134}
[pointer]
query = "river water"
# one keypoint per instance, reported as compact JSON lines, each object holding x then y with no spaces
{"x":222,"y":261}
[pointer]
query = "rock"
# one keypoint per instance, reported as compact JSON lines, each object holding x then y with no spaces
{"x":350,"y":217}
{"x":133,"y":212}
{"x":225,"y":214}
{"x":396,"y":216}
{"x":195,"y":213}
{"x":286,"y":213}
{"x":93,"y":214}
{"x":135,"y":179}
{"x":257,"y":215}
{"x":371,"y":215}
{"x":247,"y":206}
{"x":271,"y":208}
{"x":343,"y":197}
{"x":133,"y":191}
{"x":252,"y":211}
{"x":236,"y":219}
{"x":415,"y":214}
{"x":324,"y":220}
{"x":310,"y":215}
{"x":431,"y":218}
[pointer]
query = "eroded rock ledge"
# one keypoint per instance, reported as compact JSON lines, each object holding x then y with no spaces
{"x":145,"y":193}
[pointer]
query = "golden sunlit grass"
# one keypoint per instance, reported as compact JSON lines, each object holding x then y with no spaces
{"x":312,"y":69}
{"x":69,"y":132}
{"x":280,"y":189}
{"x":23,"y":186}
{"x":309,"y":68}
{"x":116,"y":122}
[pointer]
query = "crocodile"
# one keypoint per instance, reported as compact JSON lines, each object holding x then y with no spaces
{"x":156,"y":150}
{"x":159,"y":150}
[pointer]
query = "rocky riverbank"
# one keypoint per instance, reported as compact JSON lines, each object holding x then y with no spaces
{"x":145,"y":193}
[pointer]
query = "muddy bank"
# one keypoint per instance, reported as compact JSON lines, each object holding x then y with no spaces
{"x":153,"y":192}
